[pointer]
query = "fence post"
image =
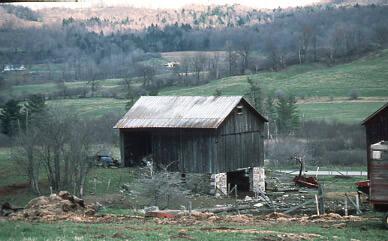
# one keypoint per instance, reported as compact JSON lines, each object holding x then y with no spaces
{"x":95,"y":185}
{"x":190,"y":207}
{"x":346,"y":206}
{"x":316,"y":203}
{"x":321,"y":194}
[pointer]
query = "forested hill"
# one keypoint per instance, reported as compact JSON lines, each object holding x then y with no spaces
{"x":262,"y":40}
{"x":112,"y":19}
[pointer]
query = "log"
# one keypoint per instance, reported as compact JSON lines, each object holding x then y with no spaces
{"x":225,"y":208}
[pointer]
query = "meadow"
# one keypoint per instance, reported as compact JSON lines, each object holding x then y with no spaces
{"x":323,"y":92}
{"x":150,"y":230}
{"x":368,"y":76}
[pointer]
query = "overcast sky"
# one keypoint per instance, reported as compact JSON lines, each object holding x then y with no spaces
{"x":174,"y":3}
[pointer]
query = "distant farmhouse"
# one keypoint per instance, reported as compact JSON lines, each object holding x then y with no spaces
{"x":13,"y":67}
{"x":220,"y":137}
{"x":171,"y":64}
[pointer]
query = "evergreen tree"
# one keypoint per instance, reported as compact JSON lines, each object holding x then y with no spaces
{"x":287,"y":117}
{"x":10,"y":117}
{"x":34,"y":108}
{"x":270,"y":113}
{"x":254,"y":94}
{"x":217,"y":92}
{"x":35,"y":104}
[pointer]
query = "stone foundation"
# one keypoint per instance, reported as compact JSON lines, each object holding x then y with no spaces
{"x":257,"y":179}
{"x":218,"y":184}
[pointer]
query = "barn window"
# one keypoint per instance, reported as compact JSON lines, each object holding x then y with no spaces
{"x":239,"y":110}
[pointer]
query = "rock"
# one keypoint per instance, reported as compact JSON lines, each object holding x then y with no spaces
{"x":64,"y":195}
{"x":126,"y":187}
{"x":339,"y":225}
{"x":248,"y":198}
{"x":151,"y":209}
{"x":258,"y":205}
{"x":277,"y":215}
{"x":90,"y":211}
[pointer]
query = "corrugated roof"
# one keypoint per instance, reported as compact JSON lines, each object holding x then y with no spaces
{"x":179,"y":112}
{"x":374,"y":113}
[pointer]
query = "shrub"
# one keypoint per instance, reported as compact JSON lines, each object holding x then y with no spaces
{"x":353,"y":95}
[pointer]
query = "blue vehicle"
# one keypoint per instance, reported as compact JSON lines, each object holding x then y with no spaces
{"x":106,"y":160}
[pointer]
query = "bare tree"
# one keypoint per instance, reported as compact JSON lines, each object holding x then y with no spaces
{"x":198,"y":64}
{"x":93,"y":82}
{"x":79,"y":145}
{"x":244,"y":51}
{"x":304,"y":40}
{"x":24,"y":153}
{"x":147,"y":72}
{"x":214,"y":66}
{"x":231,"y":57}
{"x":59,"y":142}
{"x":185,"y":68}
{"x":130,"y":92}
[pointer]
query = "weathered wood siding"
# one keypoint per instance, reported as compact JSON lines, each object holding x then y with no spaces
{"x":185,"y":150}
{"x":240,"y":141}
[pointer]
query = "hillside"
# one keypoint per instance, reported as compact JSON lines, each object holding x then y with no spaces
{"x":323,"y":92}
{"x":368,"y":76}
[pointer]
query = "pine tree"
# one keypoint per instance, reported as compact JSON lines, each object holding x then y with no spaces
{"x":10,"y":117}
{"x":287,"y":117}
{"x":35,"y":104}
{"x":254,"y":94}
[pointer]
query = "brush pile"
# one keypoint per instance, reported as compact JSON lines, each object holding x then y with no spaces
{"x":61,"y":206}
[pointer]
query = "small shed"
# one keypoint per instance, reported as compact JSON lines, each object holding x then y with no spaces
{"x":193,"y":134}
{"x":376,"y":127}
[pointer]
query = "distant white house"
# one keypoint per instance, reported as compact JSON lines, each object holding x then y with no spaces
{"x":171,"y":64}
{"x":14,"y":67}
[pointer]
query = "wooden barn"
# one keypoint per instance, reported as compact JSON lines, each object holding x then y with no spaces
{"x":376,"y":126}
{"x":193,"y":134}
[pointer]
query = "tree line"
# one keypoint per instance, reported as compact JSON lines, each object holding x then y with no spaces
{"x":295,"y":36}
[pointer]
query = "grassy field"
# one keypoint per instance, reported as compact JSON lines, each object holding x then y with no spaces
{"x":149,"y":230}
{"x":92,"y":107}
{"x":15,"y":189}
{"x":368,"y":76}
{"x":349,"y":112}
{"x":344,"y":111}
{"x":48,"y":88}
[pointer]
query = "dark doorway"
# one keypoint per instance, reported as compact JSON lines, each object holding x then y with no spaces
{"x":137,"y":145}
{"x":239,"y":178}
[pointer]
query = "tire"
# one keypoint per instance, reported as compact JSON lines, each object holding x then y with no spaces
{"x":385,"y":220}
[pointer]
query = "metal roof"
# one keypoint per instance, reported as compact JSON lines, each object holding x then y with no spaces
{"x":179,"y":112}
{"x":374,"y":114}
